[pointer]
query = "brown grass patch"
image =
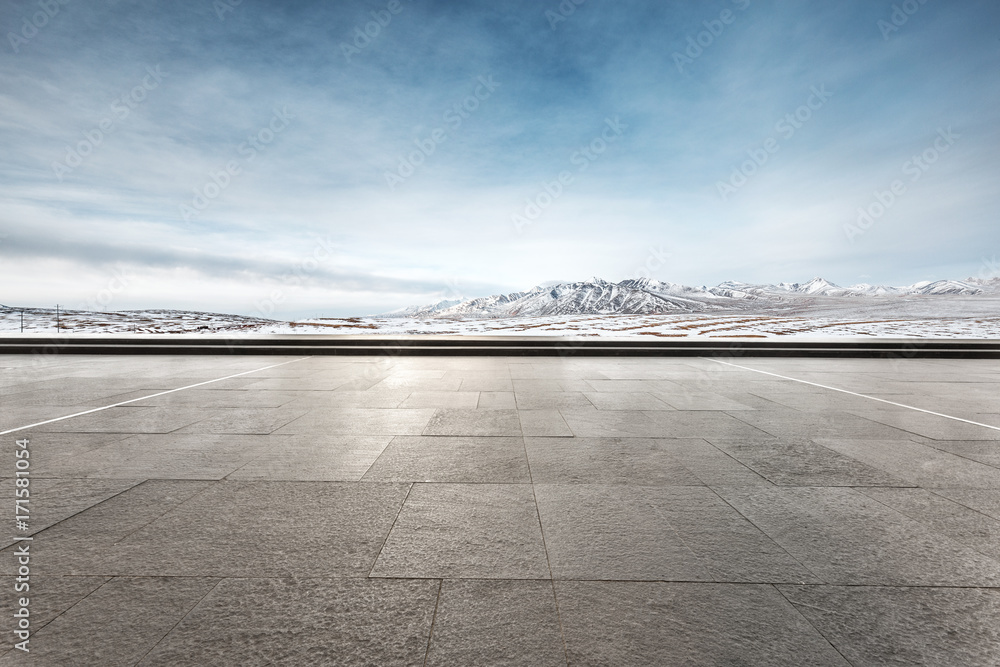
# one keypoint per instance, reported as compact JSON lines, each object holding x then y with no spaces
{"x":333,"y":326}
{"x":739,"y":336}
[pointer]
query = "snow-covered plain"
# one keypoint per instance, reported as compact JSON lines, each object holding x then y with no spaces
{"x":746,"y":325}
{"x":945,"y":309}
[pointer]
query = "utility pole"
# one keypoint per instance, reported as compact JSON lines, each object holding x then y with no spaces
{"x":57,"y":317}
{"x":22,"y":320}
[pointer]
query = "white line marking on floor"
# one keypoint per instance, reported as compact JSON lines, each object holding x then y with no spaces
{"x":853,"y":393}
{"x":143,"y":398}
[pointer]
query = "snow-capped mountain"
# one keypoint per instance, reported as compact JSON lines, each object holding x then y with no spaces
{"x":423,"y":311}
{"x":944,"y":287}
{"x":591,"y":296}
{"x":990,"y":284}
{"x":815,"y":286}
{"x":821,"y":287}
{"x":646,"y":296}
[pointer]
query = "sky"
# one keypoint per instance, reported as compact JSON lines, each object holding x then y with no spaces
{"x":298,"y":159}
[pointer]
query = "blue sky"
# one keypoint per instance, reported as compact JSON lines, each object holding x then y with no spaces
{"x":273,"y":158}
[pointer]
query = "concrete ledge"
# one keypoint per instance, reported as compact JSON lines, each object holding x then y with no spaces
{"x":309,"y":345}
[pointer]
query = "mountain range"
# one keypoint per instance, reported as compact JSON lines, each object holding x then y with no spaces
{"x":648,"y":296}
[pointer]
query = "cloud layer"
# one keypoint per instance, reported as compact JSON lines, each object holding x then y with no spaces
{"x":354,"y":157}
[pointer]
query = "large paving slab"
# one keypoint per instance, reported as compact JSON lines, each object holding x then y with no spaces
{"x":804,"y":463}
{"x":496,"y":622}
{"x":351,"y":622}
{"x":504,"y":511}
{"x":313,"y":457}
{"x":844,"y":537}
{"x":636,"y":533}
{"x":498,"y":459}
{"x":477,"y":531}
{"x":656,"y":623}
{"x":116,"y":624}
{"x":904,"y":626}
{"x":228,"y":528}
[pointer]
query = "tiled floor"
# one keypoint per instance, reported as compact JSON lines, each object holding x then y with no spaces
{"x":504,"y":511}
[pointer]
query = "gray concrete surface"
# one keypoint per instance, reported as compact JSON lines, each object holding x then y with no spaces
{"x":504,"y":511}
